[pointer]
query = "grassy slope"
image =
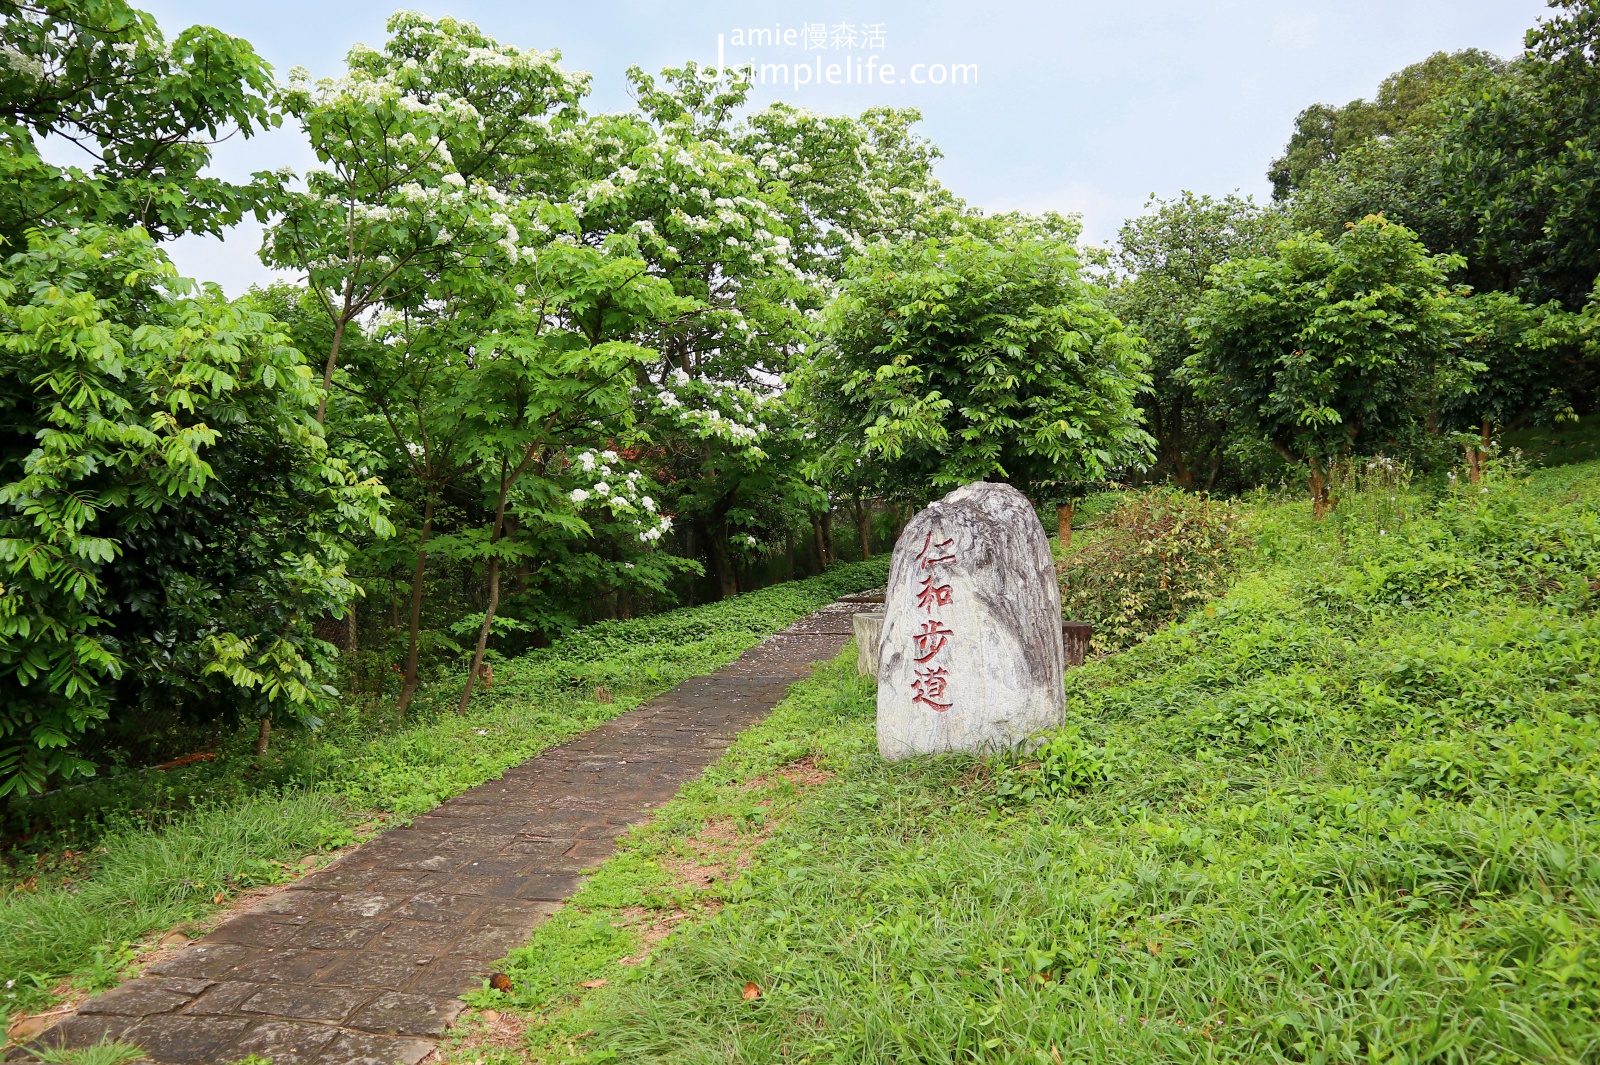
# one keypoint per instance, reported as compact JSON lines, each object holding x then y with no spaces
{"x":1345,"y":814}
{"x":1557,"y":446}
{"x":162,"y":845}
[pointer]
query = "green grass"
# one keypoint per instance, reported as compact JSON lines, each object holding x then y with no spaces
{"x":153,"y":880}
{"x":1562,"y":445}
{"x":1345,"y":813}
{"x":106,"y":1052}
{"x":152,"y":851}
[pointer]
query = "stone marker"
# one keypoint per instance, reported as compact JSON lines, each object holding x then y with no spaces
{"x":970,"y":658}
{"x":868,"y":628}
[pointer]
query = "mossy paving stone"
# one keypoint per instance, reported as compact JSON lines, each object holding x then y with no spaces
{"x":363,"y":963}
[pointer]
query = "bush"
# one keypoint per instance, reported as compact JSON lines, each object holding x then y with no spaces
{"x":170,"y":515}
{"x":1156,"y":555}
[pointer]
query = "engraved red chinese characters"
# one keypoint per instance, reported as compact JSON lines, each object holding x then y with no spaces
{"x":970,"y":653}
{"x":930,"y":639}
{"x":929,"y":688}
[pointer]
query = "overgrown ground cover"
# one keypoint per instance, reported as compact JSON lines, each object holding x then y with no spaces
{"x":1344,"y":812}
{"x":117,"y":861}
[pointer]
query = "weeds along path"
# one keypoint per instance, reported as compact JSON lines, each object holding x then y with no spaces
{"x":363,"y":961}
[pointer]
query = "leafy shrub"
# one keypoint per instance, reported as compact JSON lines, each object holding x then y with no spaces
{"x":1157,"y":554}
{"x":1066,"y":763}
{"x":170,"y":515}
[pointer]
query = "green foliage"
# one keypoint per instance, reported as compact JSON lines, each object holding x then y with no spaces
{"x":1399,"y":177}
{"x":105,"y":1052}
{"x":1533,"y":372}
{"x":1330,"y":827}
{"x":1163,"y":260}
{"x":1063,"y":764}
{"x":1157,"y":555}
{"x":1407,"y":99}
{"x":170,"y":517}
{"x":417,"y":143}
{"x":1494,"y":165}
{"x":1518,"y":160}
{"x":101,"y":74}
{"x":982,"y":355}
{"x":506,"y":284}
{"x":1329,"y":348}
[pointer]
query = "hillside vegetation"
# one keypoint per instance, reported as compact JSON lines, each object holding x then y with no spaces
{"x":1344,"y":812}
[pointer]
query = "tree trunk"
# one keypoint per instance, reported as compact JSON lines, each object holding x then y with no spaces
{"x":827,"y":535}
{"x":1064,"y":515}
{"x":327,"y":370}
{"x":721,"y":562}
{"x":408,"y":686}
{"x":816,"y":543}
{"x":483,"y":634}
{"x":263,"y":734}
{"x":1174,"y":448}
{"x":689,"y":549}
{"x":1319,"y":491}
{"x":494,"y":578}
{"x":1477,"y":456}
{"x":864,"y":526}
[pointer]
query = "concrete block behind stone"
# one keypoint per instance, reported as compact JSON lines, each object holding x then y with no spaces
{"x":868,"y":628}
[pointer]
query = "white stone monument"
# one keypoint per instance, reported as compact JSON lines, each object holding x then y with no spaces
{"x":970,"y":658}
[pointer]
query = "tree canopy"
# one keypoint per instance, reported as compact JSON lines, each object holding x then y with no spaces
{"x":983,"y":355}
{"x":1331,"y":348}
{"x":143,"y":111}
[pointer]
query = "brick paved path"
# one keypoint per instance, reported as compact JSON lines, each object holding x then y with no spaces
{"x":362,"y":962}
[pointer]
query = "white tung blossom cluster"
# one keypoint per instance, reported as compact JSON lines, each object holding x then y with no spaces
{"x":622,"y":493}
{"x":738,"y":421}
{"x":26,"y":65}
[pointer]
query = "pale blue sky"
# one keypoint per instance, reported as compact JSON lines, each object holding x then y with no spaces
{"x":1078,"y":106}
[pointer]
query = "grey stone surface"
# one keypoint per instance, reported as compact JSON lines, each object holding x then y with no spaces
{"x":868,"y":628}
{"x":971,"y":656}
{"x":363,"y":963}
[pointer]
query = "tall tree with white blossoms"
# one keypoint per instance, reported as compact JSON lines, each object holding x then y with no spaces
{"x":422,"y":146}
